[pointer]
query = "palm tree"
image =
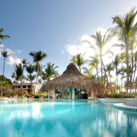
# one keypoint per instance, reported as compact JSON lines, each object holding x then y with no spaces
{"x":74,"y":59}
{"x":49,"y":72}
{"x":37,"y":57}
{"x":135,"y":67}
{"x":78,"y":60}
{"x":13,"y":76}
{"x":133,"y":50}
{"x":94,"y":63}
{"x":108,"y":69}
{"x":30,"y":70}
{"x":3,"y":36}
{"x":4,"y":55}
{"x":127,"y":30}
{"x":18,"y":74}
{"x":24,"y":62}
{"x":116,"y":63}
{"x":101,"y":41}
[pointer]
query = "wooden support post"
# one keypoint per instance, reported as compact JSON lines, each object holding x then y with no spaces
{"x":49,"y":94}
{"x":54,"y":97}
{"x":73,"y":94}
{"x":92,"y":96}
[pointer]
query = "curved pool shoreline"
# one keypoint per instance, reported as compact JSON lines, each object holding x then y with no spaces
{"x":129,"y":103}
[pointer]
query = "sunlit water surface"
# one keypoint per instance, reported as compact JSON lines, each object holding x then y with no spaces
{"x":66,"y":119}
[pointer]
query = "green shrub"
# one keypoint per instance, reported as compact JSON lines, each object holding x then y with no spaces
{"x":117,"y":95}
{"x":28,"y":95}
{"x":40,"y":95}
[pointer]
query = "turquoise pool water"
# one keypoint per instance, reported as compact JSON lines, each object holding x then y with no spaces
{"x":66,"y":119}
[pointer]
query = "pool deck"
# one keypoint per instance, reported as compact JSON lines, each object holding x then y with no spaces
{"x":129,"y":103}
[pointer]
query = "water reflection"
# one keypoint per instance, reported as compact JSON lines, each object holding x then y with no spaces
{"x":68,"y":119}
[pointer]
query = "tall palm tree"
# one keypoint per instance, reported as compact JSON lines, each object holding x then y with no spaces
{"x":116,"y":63}
{"x":94,"y":62}
{"x":108,"y":69}
{"x":101,"y":41}
{"x":132,"y":55}
{"x":3,"y":36}
{"x":78,"y":60}
{"x":18,"y":74}
{"x":88,"y":72}
{"x":30,"y":70}
{"x":135,"y":67}
{"x":37,"y":57}
{"x":4,"y":55}
{"x":24,"y":62}
{"x":127,"y":30}
{"x":49,"y":72}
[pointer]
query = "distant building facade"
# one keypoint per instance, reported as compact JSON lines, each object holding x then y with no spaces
{"x":24,"y":86}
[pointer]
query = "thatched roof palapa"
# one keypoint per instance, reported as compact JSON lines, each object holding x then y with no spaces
{"x":72,"y":78}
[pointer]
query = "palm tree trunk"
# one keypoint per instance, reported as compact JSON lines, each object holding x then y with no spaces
{"x":21,"y":86}
{"x":97,"y":71}
{"x":79,"y":68}
{"x":121,"y":84}
{"x":109,"y":77}
{"x":132,"y":71}
{"x":101,"y":64}
{"x":3,"y":66}
{"x":116,"y":78}
{"x":105,"y":71}
{"x":127,"y":63}
{"x":1,"y":88}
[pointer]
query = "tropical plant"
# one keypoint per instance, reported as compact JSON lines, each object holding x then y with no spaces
{"x":94,"y":62}
{"x":37,"y":57}
{"x":49,"y":72}
{"x":30,"y":70}
{"x":3,"y":36}
{"x":78,"y":60}
{"x":116,"y":63}
{"x":101,"y":41}
{"x":24,"y":62}
{"x":88,"y":72}
{"x":109,"y":68}
{"x":5,"y":83}
{"x":4,"y":55}
{"x":18,"y":74}
{"x":127,"y":30}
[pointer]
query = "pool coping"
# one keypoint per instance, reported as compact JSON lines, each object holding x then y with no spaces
{"x":122,"y":105}
{"x":128,"y":103}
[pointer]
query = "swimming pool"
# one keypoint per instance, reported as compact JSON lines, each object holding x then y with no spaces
{"x":66,"y":119}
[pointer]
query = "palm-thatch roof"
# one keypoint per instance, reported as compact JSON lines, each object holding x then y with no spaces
{"x":72,"y":78}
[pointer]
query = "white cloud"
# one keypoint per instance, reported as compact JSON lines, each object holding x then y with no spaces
{"x":12,"y":60}
{"x":1,"y":45}
{"x":10,"y":51}
{"x":102,"y":30}
{"x":19,"y":51}
{"x":85,"y":48}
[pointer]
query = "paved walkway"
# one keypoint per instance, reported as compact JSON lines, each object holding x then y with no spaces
{"x":129,"y":103}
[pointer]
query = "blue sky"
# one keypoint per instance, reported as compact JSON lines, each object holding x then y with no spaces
{"x":52,"y":25}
